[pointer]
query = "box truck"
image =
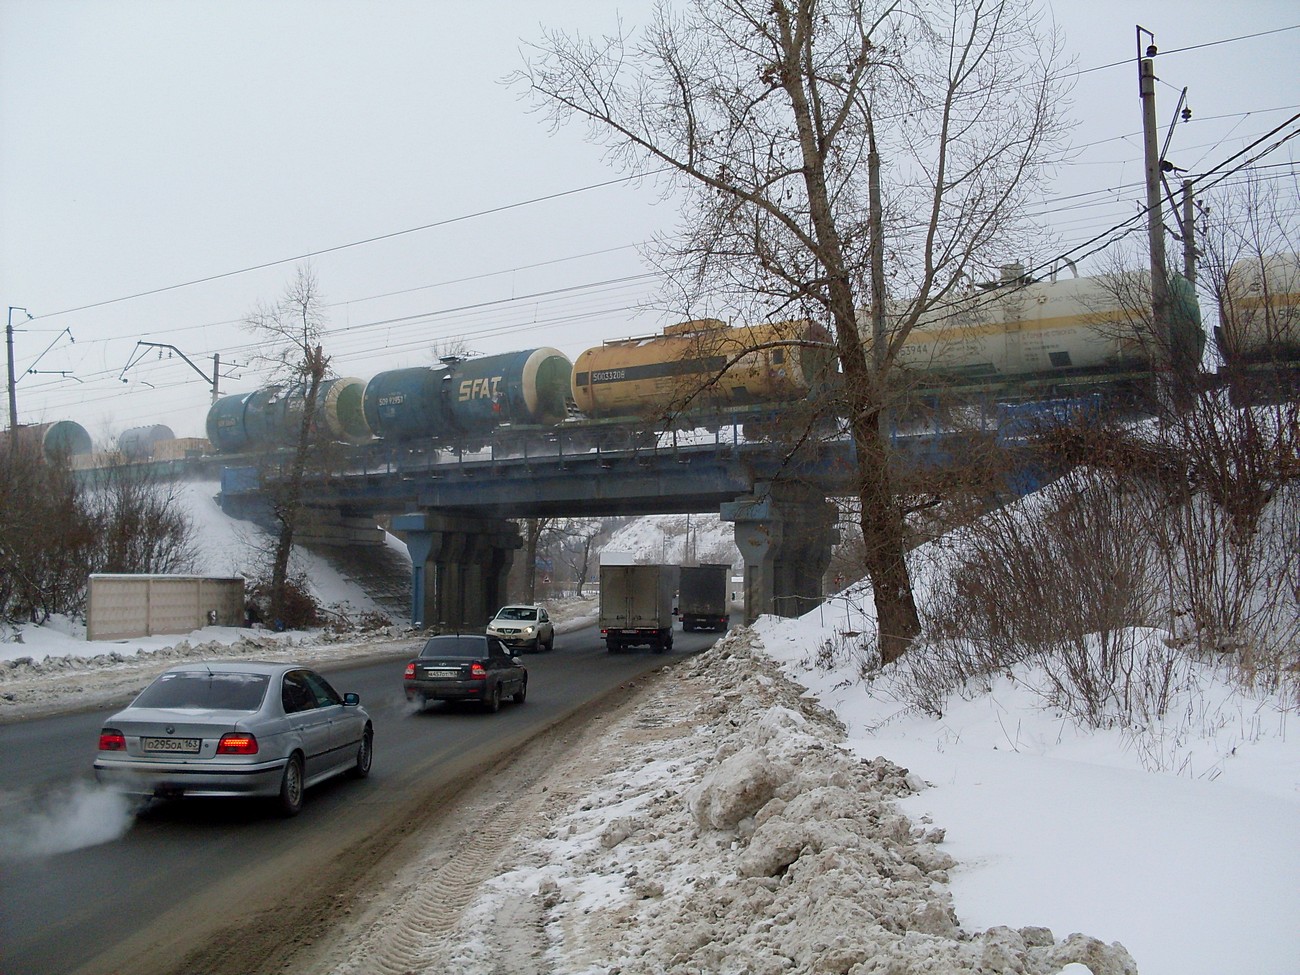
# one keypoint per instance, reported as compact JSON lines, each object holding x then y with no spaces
{"x":636,"y":606}
{"x":702,"y":601}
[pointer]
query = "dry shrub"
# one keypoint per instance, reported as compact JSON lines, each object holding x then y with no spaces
{"x":1189,"y":526}
{"x":300,"y":610}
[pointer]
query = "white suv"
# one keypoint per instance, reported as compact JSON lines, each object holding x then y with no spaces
{"x":523,"y":628}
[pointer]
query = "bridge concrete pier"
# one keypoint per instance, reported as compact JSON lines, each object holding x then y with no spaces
{"x":459,"y":564}
{"x":785,"y":535}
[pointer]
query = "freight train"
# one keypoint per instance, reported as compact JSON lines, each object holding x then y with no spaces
{"x":1016,"y":334}
{"x":693,"y":369}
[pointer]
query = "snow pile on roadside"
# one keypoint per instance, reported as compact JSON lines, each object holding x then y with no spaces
{"x":729,"y":831}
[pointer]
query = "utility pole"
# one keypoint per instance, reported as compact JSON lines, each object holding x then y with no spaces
{"x":1161,"y":320}
{"x":1189,"y":234}
{"x":1155,"y":209}
{"x":13,"y":385}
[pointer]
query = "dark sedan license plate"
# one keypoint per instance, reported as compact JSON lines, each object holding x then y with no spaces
{"x":188,"y":745}
{"x":441,"y":674}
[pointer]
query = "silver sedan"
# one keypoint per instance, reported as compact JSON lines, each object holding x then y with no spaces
{"x":235,"y":729}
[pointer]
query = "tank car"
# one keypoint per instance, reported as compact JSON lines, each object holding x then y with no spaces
{"x":1020,"y":330}
{"x":225,"y":424}
{"x":139,"y":443}
{"x":700,"y":365}
{"x":1259,"y":311}
{"x":59,"y":440}
{"x":269,"y":417}
{"x":463,"y":402}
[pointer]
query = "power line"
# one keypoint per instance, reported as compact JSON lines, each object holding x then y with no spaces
{"x":356,"y":243}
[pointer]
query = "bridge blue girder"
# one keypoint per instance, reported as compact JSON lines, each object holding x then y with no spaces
{"x":672,"y":480}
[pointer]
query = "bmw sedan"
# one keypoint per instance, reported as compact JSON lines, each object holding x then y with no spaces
{"x":235,"y":729}
{"x":468,"y":667}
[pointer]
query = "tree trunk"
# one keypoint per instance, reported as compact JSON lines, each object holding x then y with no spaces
{"x":291,"y":503}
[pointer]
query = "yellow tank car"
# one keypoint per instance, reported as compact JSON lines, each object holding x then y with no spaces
{"x":702,"y":365}
{"x":1259,"y":310}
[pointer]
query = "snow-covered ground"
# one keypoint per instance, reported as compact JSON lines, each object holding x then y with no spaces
{"x":768,"y":811}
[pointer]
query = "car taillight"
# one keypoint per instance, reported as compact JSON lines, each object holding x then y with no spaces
{"x":410,"y":672}
{"x":112,"y":740}
{"x":477,"y":671}
{"x":237,"y":744}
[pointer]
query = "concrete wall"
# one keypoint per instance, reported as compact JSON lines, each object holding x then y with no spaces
{"x":125,"y":606}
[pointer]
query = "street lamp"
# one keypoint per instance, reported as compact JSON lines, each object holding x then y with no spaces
{"x":9,"y":343}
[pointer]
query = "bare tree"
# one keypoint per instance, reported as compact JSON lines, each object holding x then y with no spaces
{"x":291,"y":329}
{"x":576,"y":538}
{"x":59,"y":527}
{"x":835,"y":155}
{"x":534,"y":530}
{"x":1248,"y":227}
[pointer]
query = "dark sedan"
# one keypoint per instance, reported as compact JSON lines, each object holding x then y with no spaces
{"x":469,"y":667}
{"x":235,"y":729}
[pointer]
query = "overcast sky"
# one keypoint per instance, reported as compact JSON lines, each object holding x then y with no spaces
{"x":148,"y":145}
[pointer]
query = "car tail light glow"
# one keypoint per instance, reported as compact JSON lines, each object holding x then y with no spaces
{"x":477,"y":671}
{"x":237,"y":744}
{"x":410,"y":671}
{"x":112,"y":740}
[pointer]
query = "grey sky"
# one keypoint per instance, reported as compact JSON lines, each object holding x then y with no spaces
{"x":144,"y":145}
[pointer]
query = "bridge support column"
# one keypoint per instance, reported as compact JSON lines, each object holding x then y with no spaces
{"x":785,"y":536}
{"x":459,"y":565}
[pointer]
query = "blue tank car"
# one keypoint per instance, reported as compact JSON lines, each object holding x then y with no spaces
{"x":225,"y":425}
{"x":270,"y":417}
{"x":463,"y":402}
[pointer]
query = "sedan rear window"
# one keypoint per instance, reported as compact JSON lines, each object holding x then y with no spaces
{"x":205,"y":691}
{"x":456,"y":646}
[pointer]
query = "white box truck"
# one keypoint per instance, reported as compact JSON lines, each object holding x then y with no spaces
{"x":636,"y":606}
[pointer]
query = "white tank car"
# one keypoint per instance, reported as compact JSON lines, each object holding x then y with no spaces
{"x":1021,"y":329}
{"x":1259,"y":310}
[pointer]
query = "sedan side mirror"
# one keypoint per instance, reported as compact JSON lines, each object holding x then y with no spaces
{"x":351,"y":699}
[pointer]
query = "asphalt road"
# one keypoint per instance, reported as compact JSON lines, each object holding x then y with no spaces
{"x":182,"y":871}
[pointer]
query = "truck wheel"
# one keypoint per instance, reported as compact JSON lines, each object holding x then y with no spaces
{"x":669,"y":644}
{"x":612,"y":646}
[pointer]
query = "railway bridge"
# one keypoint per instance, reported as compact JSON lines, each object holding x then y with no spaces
{"x":457,"y":514}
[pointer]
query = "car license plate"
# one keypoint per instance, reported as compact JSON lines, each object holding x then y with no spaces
{"x":190,"y":745}
{"x":442,"y":673}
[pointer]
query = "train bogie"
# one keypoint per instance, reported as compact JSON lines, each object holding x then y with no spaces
{"x":702,"y":365}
